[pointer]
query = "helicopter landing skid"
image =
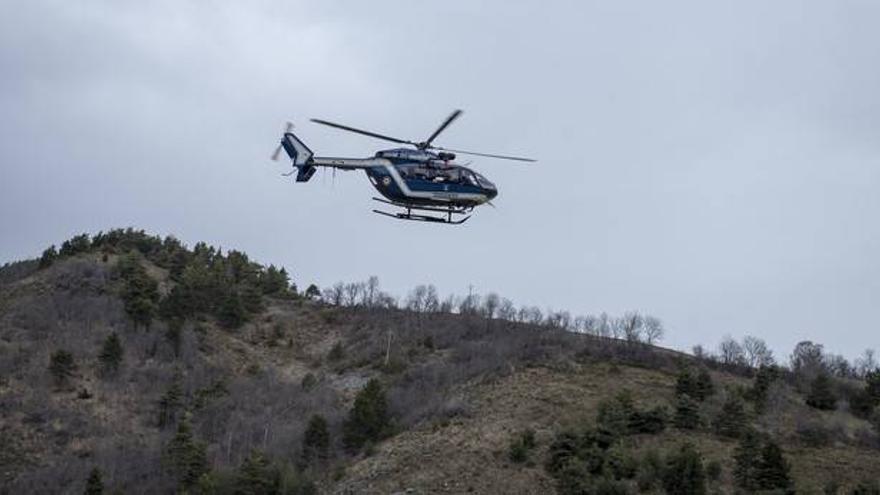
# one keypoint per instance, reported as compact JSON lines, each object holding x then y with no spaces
{"x":409,"y":215}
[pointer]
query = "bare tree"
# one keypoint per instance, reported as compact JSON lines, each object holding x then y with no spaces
{"x":352,"y":291}
{"x":839,"y":366}
{"x":531,"y":315}
{"x":416,"y":300}
{"x":731,"y":353}
{"x":448,"y":304}
{"x":506,"y":310}
{"x":334,"y":295}
{"x":757,"y":353}
{"x":371,"y":292}
{"x":490,"y":305}
{"x":432,"y":301}
{"x":631,"y":325}
{"x":866,"y":362}
{"x":653,"y":330}
{"x":807,"y":359}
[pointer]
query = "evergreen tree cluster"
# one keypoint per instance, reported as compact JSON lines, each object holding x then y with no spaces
{"x":596,"y":460}
{"x":620,"y":417}
{"x":228,"y":287}
{"x":140,"y":291}
{"x":691,"y":388}
{"x":760,"y":465}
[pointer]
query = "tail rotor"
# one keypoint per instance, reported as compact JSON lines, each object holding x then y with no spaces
{"x":275,"y":155}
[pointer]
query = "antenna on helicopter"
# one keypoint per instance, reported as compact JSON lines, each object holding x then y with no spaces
{"x":424,"y":145}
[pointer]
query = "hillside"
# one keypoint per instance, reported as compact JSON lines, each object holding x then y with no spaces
{"x":224,"y":378}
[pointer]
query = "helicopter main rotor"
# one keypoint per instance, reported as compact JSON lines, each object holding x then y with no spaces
{"x":423,"y":145}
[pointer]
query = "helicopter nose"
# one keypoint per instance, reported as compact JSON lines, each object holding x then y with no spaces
{"x":491,"y":193}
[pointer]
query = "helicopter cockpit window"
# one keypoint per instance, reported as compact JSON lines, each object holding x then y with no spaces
{"x":484,"y":182}
{"x":469,"y":179}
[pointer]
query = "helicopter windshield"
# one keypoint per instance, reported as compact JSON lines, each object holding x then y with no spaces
{"x":484,"y":182}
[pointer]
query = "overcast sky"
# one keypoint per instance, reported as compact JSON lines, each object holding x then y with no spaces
{"x":712,"y":163}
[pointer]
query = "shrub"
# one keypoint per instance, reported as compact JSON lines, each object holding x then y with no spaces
{"x":140,"y":292}
{"x":866,"y":487}
{"x":821,"y":395}
{"x":732,"y":418}
{"x":308,"y":381}
{"x":651,"y":421}
{"x":48,"y":257}
{"x":650,"y":472}
{"x":522,"y":443}
{"x":696,"y":384}
{"x":111,"y":354}
{"x":746,"y":461}
{"x":687,"y":413}
{"x":75,"y":245}
{"x":368,"y":419}
{"x":316,"y":441}
{"x":337,"y":352}
{"x":256,"y":476}
{"x":562,"y":451}
{"x":62,"y":367}
{"x":613,"y":417}
{"x":684,"y":472}
{"x":94,"y":485}
{"x":772,"y":470}
{"x":186,"y":457}
{"x":765,"y":377}
{"x":713,"y":470}
{"x":170,"y":403}
{"x":814,"y":434}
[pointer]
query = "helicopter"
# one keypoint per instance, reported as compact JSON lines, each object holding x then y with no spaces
{"x":424,"y":182}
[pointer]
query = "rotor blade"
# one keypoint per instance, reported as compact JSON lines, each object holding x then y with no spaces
{"x":287,"y":129}
{"x":359,"y":131}
{"x":503,"y":157}
{"x":454,"y":115}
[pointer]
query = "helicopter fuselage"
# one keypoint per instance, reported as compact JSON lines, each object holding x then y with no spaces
{"x":418,"y":177}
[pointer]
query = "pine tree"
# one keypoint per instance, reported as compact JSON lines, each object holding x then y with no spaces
{"x":772,"y":470}
{"x":732,"y":419}
{"x":764,"y":378}
{"x":94,"y":484}
{"x":368,"y":420}
{"x":186,"y":457}
{"x":140,"y":292}
{"x":821,"y":395}
{"x":231,"y":312}
{"x":316,"y":441}
{"x":687,"y":413}
{"x":49,"y":256}
{"x":684,"y":473}
{"x":313,"y":292}
{"x":170,"y":402}
{"x":704,"y":387}
{"x":698,"y":385}
{"x":111,"y":354}
{"x":62,"y":367}
{"x":256,"y":476}
{"x":747,"y":461}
